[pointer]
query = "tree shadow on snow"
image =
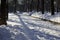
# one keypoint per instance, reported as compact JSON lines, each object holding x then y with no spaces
{"x":42,"y":26}
{"x":27,"y":31}
{"x":47,"y":36}
{"x":5,"y":34}
{"x":31,"y":34}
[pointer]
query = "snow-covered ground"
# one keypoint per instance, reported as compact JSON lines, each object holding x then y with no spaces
{"x":48,"y":16}
{"x":22,"y":27}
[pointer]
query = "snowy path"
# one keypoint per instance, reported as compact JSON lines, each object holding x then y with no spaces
{"x":42,"y":26}
{"x":28,"y":28}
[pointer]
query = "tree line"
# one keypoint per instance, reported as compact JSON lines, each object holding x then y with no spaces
{"x":27,"y":6}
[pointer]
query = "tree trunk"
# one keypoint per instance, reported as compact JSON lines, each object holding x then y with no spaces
{"x":4,"y":12}
{"x":42,"y":2}
{"x":38,"y":5}
{"x":32,"y":5}
{"x":15,"y":3}
{"x":52,"y":7}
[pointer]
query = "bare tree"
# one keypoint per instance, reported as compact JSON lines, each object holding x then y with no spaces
{"x":52,"y":7}
{"x":38,"y":3}
{"x":15,"y":3}
{"x":4,"y":12}
{"x":42,"y":3}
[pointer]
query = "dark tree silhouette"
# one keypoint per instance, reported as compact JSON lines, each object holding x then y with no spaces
{"x":38,"y":3}
{"x":4,"y":12}
{"x":52,"y":7}
{"x":32,"y":5}
{"x":25,"y":5}
{"x":42,"y":3}
{"x":15,"y":5}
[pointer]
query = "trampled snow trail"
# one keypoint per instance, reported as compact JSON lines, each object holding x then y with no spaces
{"x":33,"y":28}
{"x":24,"y":27}
{"x":42,"y":26}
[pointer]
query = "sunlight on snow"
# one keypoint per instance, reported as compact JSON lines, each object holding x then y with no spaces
{"x":12,"y":23}
{"x":28,"y":24}
{"x":56,"y":19}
